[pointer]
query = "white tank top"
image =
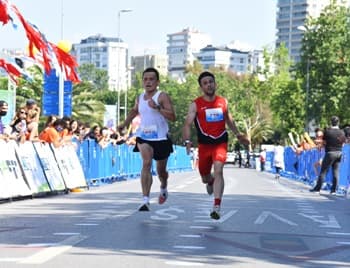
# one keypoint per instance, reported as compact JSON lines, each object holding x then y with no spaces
{"x":153,"y":124}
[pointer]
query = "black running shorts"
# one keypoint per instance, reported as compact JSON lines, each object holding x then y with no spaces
{"x":161,"y":149}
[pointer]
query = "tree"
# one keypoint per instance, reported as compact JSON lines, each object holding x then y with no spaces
{"x":326,"y":59}
{"x":286,"y":97}
{"x":86,"y":107}
{"x":97,"y":77}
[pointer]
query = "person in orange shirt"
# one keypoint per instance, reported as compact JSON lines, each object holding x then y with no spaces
{"x":51,"y":134}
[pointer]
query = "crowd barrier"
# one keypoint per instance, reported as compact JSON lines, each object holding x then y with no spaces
{"x":119,"y":162}
{"x":301,"y":167}
{"x":31,"y":169}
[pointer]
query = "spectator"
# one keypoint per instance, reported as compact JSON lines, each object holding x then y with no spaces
{"x":239,"y":154}
{"x":319,"y":142}
{"x":3,"y":112}
{"x":19,"y":125}
{"x":334,"y":139}
{"x":262,"y":159}
{"x":347,"y":133}
{"x":50,"y":120}
{"x":73,"y":129}
{"x":33,"y":116}
{"x":278,"y":160}
{"x":51,"y":134}
{"x":94,"y":133}
{"x":104,"y":139}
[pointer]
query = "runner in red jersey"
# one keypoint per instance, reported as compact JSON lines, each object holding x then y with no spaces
{"x":210,"y":115}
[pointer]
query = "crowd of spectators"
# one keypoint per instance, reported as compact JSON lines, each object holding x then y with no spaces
{"x":25,"y":126}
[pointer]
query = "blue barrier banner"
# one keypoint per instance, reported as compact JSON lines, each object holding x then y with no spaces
{"x":116,"y":162}
{"x":305,"y":167}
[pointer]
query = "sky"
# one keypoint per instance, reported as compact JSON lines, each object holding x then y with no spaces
{"x":145,"y":28}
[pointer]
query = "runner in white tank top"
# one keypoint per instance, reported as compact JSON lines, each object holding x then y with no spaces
{"x":155,"y":109}
{"x":153,"y":124}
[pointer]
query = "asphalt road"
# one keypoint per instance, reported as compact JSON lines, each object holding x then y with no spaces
{"x":265,"y":223}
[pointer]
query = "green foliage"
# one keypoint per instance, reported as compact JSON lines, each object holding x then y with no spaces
{"x":326,"y":58}
{"x":97,"y":77}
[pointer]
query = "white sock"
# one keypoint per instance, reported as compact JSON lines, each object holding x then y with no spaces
{"x":163,"y":190}
{"x":145,"y":199}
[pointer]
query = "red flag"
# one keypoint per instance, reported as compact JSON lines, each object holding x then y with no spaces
{"x":10,"y":69}
{"x":67,"y":63}
{"x":36,"y":39}
{"x":4,"y":15}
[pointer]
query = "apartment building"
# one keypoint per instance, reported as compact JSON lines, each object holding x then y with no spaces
{"x":158,"y":61}
{"x":291,"y":16}
{"x":106,"y":53}
{"x":234,"y":60}
{"x":182,"y":49}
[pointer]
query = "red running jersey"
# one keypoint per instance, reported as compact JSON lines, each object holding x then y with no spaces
{"x":210,"y":120}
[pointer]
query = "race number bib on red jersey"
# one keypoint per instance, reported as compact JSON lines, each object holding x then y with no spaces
{"x":214,"y":115}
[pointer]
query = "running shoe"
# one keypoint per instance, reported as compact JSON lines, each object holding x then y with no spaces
{"x":162,"y":197}
{"x":315,"y":190}
{"x":210,"y":189}
{"x":144,"y":207}
{"x":215,"y":213}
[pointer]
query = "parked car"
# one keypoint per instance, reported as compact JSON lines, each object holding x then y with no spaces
{"x":230,"y":158}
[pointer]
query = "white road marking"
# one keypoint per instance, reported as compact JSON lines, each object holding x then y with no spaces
{"x":344,"y":243}
{"x":40,"y":245}
{"x":265,"y":214}
{"x":86,"y":224}
{"x":305,"y":207}
{"x":48,"y":253}
{"x":330,"y":223}
{"x":66,"y":234}
{"x":336,"y":233}
{"x":201,"y":227}
{"x":10,"y":259}
{"x":165,"y":214}
{"x":184,"y":263}
{"x":189,"y":247}
{"x":95,"y":218}
{"x":310,"y":211}
{"x":190,"y":236}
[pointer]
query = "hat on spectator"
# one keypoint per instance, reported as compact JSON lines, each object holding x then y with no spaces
{"x":30,"y":102}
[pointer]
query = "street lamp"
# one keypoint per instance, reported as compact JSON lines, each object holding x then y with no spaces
{"x":118,"y":64}
{"x":305,"y":29}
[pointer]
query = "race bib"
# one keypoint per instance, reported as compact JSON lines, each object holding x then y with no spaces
{"x":149,"y":132}
{"x":214,"y":115}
